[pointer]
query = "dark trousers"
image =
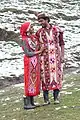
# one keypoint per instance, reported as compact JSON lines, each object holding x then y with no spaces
{"x":46,"y":95}
{"x":56,"y":94}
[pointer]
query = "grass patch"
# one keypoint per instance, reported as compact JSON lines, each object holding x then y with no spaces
{"x":11,"y":103}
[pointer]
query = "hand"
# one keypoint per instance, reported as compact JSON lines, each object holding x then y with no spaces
{"x":38,"y":52}
{"x":42,"y":49}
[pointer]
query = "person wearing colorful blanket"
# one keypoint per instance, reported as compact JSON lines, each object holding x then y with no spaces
{"x":31,"y":65}
{"x":50,"y":37}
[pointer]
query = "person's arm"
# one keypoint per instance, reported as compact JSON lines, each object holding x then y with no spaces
{"x":27,"y":52}
{"x":61,"y":42}
{"x":62,"y":53}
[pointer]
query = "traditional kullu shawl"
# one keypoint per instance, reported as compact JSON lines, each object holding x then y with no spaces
{"x":50,"y":60}
{"x":31,"y":64}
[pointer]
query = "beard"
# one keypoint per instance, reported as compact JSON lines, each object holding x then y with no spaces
{"x":44,"y":25}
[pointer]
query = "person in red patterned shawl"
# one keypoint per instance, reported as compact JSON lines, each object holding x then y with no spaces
{"x":52,"y":58}
{"x":31,"y":65}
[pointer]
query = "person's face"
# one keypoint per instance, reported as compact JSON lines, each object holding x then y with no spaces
{"x":31,"y":29}
{"x":43,"y":22}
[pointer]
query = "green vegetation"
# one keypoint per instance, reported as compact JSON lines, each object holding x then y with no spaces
{"x":11,"y":103}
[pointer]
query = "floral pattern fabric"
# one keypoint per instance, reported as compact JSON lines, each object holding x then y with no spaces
{"x":50,"y":60}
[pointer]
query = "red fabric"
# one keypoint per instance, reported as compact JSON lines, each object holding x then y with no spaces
{"x":31,"y":66}
{"x":31,"y":78}
{"x":23,"y":29}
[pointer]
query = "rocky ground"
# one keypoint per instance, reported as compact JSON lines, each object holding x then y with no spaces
{"x":7,"y":81}
{"x":10,"y":36}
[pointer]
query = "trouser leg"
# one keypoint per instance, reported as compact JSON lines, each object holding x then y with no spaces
{"x":46,"y":96}
{"x":56,"y":95}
